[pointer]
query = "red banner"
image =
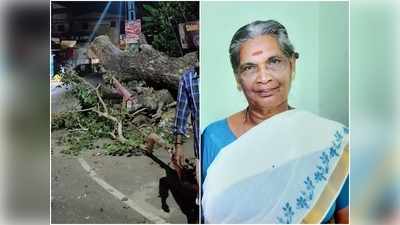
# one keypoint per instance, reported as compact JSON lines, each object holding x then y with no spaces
{"x":132,"y":31}
{"x":189,"y":34}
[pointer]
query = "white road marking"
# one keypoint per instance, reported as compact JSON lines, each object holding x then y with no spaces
{"x":143,"y":208}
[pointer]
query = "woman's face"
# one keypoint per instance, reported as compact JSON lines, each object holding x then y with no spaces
{"x":264,"y":72}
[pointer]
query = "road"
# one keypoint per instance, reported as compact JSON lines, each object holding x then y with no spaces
{"x":77,"y":196}
{"x":97,"y":188}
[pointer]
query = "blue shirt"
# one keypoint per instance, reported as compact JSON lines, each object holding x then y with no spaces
{"x":218,"y":135}
{"x":188,"y":102}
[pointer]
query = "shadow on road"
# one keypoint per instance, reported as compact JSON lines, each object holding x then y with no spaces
{"x":183,"y":190}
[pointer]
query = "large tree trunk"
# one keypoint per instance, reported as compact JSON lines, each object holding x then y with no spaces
{"x":155,"y":68}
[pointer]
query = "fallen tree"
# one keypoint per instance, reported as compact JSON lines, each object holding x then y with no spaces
{"x":154,"y":67}
{"x":129,"y":100}
{"x":142,"y":126}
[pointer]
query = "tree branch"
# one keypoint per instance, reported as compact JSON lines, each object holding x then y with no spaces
{"x":118,"y":123}
{"x":101,"y":99}
{"x":73,"y":111}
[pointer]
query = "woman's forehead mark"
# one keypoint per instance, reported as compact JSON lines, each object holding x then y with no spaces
{"x":257,"y":53}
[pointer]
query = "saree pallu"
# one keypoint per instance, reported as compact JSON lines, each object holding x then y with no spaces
{"x":288,"y":169}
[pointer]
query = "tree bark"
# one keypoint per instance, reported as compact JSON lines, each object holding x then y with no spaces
{"x":154,"y":67}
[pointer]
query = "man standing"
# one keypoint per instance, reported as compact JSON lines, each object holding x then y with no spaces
{"x":187,"y":103}
{"x":184,"y":183}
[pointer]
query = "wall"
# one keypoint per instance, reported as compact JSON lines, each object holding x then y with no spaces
{"x":333,"y":69}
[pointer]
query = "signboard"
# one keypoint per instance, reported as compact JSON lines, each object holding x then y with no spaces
{"x":68,"y":43}
{"x":189,"y":34}
{"x":132,"y":31}
{"x":56,"y":40}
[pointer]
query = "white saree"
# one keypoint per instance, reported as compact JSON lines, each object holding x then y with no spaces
{"x":288,"y":169}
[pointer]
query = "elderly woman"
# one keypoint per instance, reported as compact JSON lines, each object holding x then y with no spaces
{"x":271,"y":163}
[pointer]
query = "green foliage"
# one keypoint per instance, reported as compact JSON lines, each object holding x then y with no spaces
{"x":77,"y":142}
{"x":164,"y":133}
{"x":65,"y":120}
{"x":160,"y":20}
{"x":118,"y":148}
{"x":86,"y":96}
{"x":84,"y":129}
{"x":134,"y":140}
{"x":85,"y":126}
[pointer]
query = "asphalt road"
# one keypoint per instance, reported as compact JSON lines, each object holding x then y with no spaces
{"x":76,"y":197}
{"x":96,"y":188}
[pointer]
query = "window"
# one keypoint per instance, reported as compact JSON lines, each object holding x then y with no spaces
{"x":61,"y":28}
{"x":85,"y":26}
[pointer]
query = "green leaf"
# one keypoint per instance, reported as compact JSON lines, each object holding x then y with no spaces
{"x":150,"y":9}
{"x":147,"y":19}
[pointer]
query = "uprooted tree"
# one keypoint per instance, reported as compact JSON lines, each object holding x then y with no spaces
{"x":128,"y":104}
{"x":154,"y":67}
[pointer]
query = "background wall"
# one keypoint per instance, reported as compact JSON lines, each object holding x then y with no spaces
{"x":318,"y":31}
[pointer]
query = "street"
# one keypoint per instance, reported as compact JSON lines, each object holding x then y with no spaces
{"x":79,"y":198}
{"x":98,"y":188}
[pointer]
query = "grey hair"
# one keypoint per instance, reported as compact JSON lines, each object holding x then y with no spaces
{"x":255,"y":29}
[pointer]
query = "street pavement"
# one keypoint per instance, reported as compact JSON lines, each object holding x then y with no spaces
{"x":97,"y":188}
{"x":77,"y":198}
